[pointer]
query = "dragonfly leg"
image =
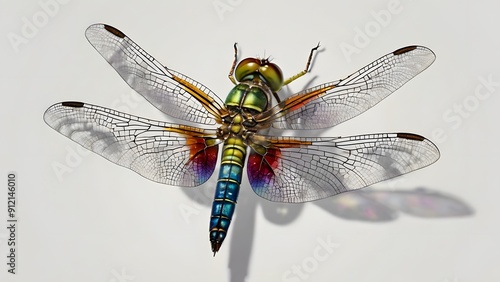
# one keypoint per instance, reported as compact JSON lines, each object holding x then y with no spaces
{"x":278,"y":100}
{"x":233,"y":66}
{"x":305,"y":70}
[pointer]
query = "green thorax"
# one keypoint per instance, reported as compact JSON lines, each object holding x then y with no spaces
{"x":248,"y":96}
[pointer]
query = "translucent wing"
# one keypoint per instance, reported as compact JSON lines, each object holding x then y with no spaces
{"x":163,"y":152}
{"x":331,"y":103}
{"x":294,"y":169}
{"x":171,"y":92}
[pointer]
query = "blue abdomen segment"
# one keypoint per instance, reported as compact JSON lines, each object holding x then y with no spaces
{"x":227,"y":190}
{"x":226,"y":195}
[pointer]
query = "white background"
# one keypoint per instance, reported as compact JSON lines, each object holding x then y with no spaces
{"x":95,"y":221}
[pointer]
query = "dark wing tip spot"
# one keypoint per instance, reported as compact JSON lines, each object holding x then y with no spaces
{"x":72,"y":104}
{"x":404,"y":50}
{"x":411,"y":136}
{"x":114,"y":31}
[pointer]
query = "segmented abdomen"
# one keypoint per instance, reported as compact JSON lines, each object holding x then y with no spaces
{"x":226,"y":192}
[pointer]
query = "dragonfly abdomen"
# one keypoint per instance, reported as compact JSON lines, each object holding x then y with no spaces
{"x":227,"y":189}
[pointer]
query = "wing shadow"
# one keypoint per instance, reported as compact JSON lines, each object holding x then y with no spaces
{"x":374,"y":206}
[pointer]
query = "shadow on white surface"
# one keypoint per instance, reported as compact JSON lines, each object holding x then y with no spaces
{"x":375,"y":206}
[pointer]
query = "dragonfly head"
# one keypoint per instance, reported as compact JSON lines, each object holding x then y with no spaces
{"x":251,"y":68}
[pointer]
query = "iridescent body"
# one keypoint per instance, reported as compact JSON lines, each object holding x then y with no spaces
{"x":246,"y":99}
{"x":285,"y":169}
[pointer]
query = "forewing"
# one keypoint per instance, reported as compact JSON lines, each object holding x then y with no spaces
{"x":171,"y":92}
{"x":163,"y":152}
{"x":331,"y":103}
{"x":294,"y":170}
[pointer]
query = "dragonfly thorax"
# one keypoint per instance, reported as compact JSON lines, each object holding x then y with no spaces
{"x":244,"y":102}
{"x":249,"y":98}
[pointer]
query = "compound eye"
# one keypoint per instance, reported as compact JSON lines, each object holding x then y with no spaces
{"x":273,"y":75}
{"x":246,"y":67}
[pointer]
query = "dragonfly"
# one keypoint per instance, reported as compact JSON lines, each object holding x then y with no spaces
{"x":288,"y":169}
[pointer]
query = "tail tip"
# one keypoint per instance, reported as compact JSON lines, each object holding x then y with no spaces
{"x":215,"y":246}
